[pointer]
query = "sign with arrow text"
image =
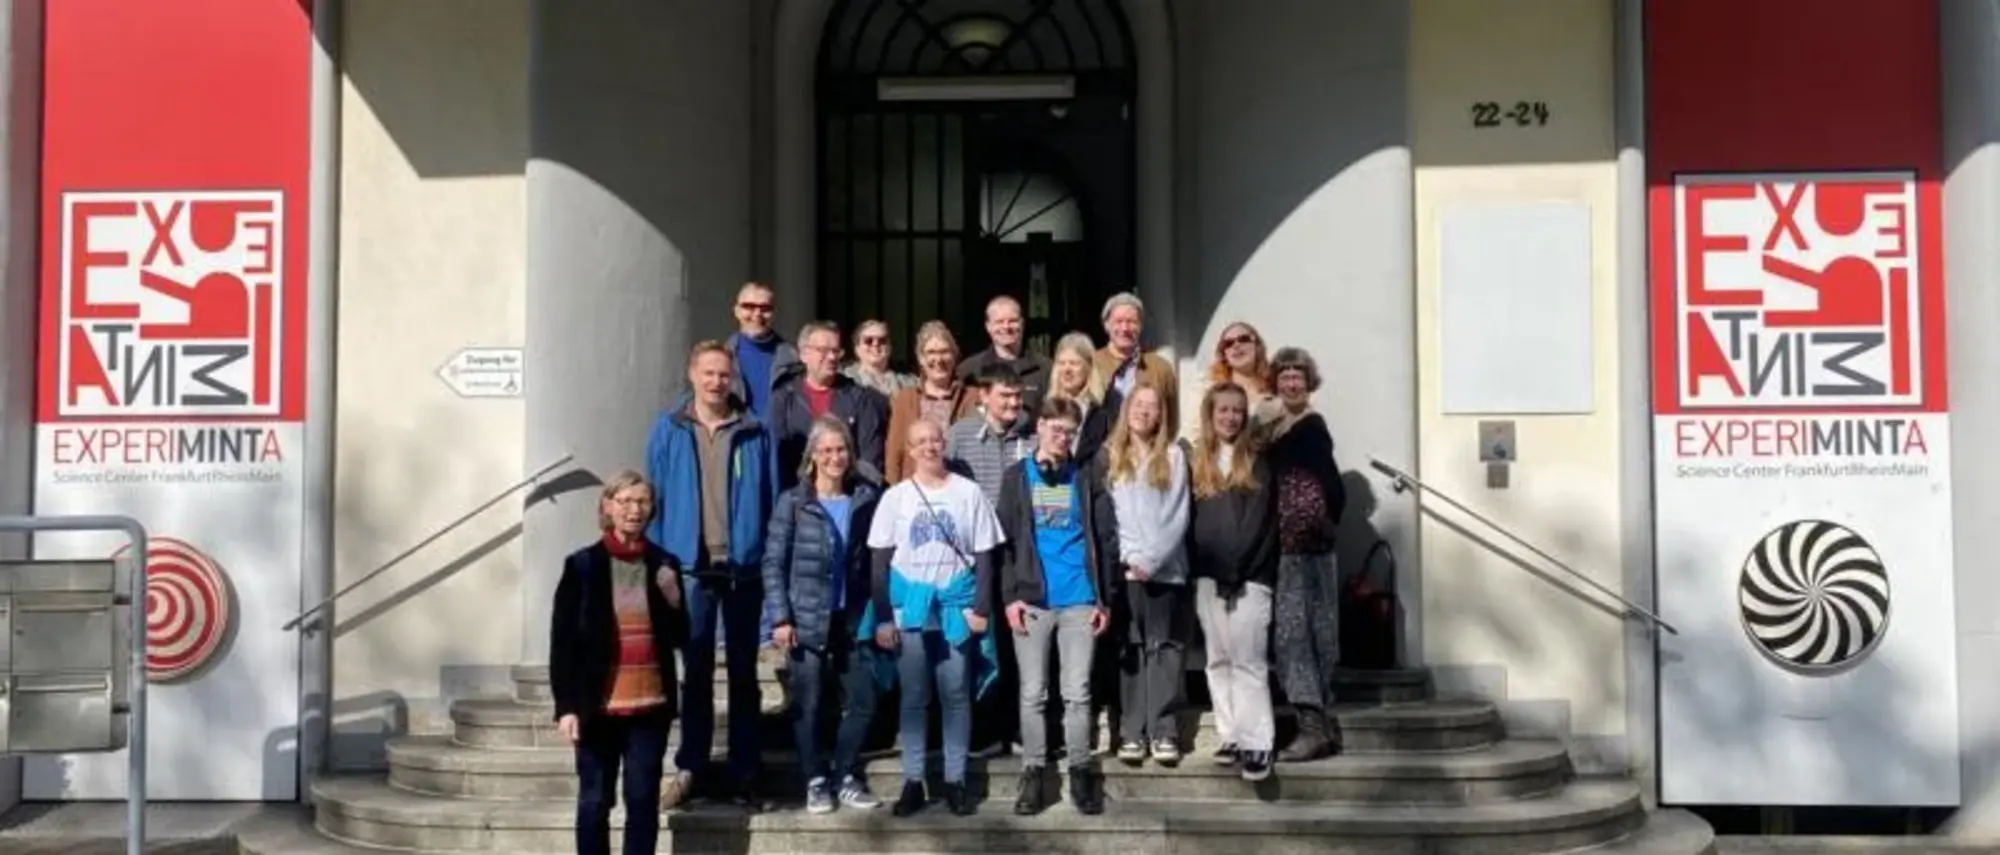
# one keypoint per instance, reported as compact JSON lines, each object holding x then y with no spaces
{"x":484,"y":372}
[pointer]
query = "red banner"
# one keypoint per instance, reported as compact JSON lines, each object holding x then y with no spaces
{"x":175,"y":154}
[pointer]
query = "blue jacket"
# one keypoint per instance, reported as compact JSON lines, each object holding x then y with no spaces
{"x":673,"y":464}
{"x":797,"y":585}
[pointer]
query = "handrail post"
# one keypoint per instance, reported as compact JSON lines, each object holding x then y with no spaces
{"x":135,"y":743}
{"x":1402,"y":481}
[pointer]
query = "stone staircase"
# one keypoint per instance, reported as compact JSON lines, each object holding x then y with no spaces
{"x":1420,"y":776}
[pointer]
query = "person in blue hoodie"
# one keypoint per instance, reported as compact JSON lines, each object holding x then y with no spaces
{"x":716,"y":468}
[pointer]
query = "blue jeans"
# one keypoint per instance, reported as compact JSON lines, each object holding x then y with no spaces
{"x":736,"y":606}
{"x":639,"y":744}
{"x":850,"y":667}
{"x":926,"y":657}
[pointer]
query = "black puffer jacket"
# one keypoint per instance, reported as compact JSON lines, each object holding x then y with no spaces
{"x":1233,"y":535}
{"x":798,"y":547}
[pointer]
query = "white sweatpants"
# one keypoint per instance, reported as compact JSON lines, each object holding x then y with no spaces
{"x":1237,"y":633}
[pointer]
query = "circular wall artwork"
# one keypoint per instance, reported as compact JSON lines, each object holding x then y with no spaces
{"x":1814,"y":596}
{"x":189,"y":609}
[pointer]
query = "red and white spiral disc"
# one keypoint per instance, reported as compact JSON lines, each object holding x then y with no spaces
{"x":188,"y":609}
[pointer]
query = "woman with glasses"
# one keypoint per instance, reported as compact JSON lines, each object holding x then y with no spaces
{"x":614,"y":630}
{"x":938,"y":396}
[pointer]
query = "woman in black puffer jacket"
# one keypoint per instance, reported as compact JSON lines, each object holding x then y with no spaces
{"x":817,"y":587}
{"x":1233,"y":549}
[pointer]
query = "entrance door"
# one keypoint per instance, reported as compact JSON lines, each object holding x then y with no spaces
{"x":969,"y":150}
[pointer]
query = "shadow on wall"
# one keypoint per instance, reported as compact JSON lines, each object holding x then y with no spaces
{"x":448,"y":80}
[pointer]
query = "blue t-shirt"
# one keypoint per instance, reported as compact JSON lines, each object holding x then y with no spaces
{"x":753,"y":361}
{"x":1059,"y":537}
{"x":841,"y":510}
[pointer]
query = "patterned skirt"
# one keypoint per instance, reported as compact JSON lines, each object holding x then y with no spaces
{"x":1305,"y":628}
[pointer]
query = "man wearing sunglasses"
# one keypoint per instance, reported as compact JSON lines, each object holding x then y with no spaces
{"x":765,"y":361}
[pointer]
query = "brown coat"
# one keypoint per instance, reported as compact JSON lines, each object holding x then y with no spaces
{"x":905,"y":407}
{"x":1154,"y":370}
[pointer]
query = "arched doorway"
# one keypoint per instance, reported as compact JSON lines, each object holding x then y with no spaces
{"x":970,"y":148}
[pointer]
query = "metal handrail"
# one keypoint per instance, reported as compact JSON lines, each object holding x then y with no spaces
{"x":503,"y":494}
{"x":135,"y":701}
{"x":1403,"y":482}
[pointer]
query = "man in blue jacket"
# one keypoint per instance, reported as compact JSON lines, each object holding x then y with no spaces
{"x":715,"y":467}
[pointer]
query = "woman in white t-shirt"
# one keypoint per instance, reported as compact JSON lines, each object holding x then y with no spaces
{"x":933,"y":542}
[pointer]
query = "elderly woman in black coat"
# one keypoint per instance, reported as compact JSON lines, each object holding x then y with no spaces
{"x":613,"y":633}
{"x":1306,"y":624}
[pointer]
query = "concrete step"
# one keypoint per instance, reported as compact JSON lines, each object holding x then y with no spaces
{"x":1507,"y":770}
{"x":1666,"y":832}
{"x":372,"y":813}
{"x":1426,"y":726}
{"x":531,"y":682}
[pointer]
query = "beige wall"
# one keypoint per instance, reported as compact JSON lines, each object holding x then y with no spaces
{"x":1492,"y":627}
{"x":433,"y":143}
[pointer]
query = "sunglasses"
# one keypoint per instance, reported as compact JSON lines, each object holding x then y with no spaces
{"x":766,"y":308}
{"x":1233,"y":341}
{"x":874,"y":340}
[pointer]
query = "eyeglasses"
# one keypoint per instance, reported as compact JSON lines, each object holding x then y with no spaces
{"x":1235,"y":340}
{"x":766,"y":308}
{"x":873,"y":340}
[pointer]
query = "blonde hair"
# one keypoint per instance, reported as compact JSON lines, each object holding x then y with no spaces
{"x":821,"y":427}
{"x":619,"y":483}
{"x":1093,"y":381}
{"x":935,"y":330}
{"x":1208,"y":479}
{"x":1124,"y":465}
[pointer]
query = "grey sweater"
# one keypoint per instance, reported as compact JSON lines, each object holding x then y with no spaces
{"x":1152,"y":523}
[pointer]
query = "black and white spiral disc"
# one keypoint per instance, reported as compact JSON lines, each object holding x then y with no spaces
{"x":1814,"y":595}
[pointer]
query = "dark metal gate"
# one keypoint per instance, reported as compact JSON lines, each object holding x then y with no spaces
{"x":931,"y":205}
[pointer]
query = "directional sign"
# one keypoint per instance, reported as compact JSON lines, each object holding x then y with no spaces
{"x":484,"y":372}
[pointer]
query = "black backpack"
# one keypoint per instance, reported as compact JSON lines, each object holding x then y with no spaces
{"x":1370,"y":615}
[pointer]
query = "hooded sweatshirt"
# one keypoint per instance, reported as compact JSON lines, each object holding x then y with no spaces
{"x":1153,"y":523}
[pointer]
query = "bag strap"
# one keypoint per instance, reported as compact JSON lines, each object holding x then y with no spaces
{"x":934,"y":513}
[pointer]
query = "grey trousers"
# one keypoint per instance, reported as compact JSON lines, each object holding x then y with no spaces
{"x":1068,"y":632}
{"x":1238,"y":634}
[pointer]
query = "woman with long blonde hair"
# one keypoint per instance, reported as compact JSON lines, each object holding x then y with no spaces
{"x":1147,"y":476}
{"x":1074,"y":376}
{"x":1233,"y":550}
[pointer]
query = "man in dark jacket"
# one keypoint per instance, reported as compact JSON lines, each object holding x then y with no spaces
{"x":1007,"y":332}
{"x":1058,"y":579}
{"x":823,"y":390}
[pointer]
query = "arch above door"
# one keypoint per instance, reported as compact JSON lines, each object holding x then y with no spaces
{"x":796,"y":41}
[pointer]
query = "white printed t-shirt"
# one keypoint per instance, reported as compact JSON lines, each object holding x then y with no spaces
{"x":923,"y":536}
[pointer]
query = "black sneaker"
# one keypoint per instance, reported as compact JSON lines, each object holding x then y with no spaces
{"x":1256,"y":765}
{"x":911,"y":801}
{"x":1084,"y":792}
{"x":957,"y":799}
{"x":1225,"y":754}
{"x":1033,"y":797}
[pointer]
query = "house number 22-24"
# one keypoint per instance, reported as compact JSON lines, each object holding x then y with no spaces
{"x":1522,"y":114}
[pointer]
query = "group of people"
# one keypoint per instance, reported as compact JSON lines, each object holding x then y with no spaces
{"x":969,"y":534}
